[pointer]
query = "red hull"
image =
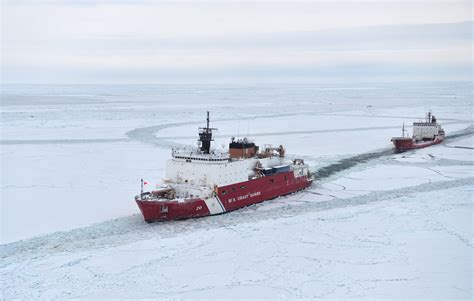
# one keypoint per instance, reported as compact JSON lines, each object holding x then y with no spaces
{"x":230,"y":197}
{"x":403,"y":144}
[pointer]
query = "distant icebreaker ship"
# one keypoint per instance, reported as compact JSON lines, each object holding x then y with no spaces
{"x":424,"y":134}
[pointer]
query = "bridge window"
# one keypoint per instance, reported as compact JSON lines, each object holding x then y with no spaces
{"x":224,"y":192}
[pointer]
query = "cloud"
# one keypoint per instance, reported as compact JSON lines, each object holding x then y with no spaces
{"x":179,"y":42}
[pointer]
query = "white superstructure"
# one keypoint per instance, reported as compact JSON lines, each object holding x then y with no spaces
{"x":198,"y":172}
{"x":429,"y":129}
{"x":193,"y":168}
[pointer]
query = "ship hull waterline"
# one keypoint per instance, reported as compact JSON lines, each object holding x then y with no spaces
{"x":226,"y":198}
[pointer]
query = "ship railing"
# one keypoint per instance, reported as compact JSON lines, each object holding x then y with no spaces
{"x":196,"y":154}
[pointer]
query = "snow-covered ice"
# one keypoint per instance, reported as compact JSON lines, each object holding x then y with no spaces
{"x":374,"y":224}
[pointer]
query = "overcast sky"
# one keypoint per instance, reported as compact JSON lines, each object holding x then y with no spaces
{"x":87,"y":41}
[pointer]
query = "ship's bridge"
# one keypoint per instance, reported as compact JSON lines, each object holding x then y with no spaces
{"x":195,"y":167}
{"x":198,"y":156}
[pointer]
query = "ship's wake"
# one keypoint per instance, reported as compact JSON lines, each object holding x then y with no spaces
{"x":350,"y":162}
{"x":460,"y":134}
{"x":132,"y":228}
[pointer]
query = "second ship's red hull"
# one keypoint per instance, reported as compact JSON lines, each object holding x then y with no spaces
{"x":403,"y":144}
{"x":228,"y":198}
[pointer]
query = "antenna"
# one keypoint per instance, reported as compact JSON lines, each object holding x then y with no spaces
{"x":248,"y":126}
{"x":238,"y":129}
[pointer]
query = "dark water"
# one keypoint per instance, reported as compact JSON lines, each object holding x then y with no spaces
{"x":348,"y":163}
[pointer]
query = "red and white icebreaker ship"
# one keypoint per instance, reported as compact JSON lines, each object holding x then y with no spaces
{"x":203,"y":181}
{"x":425,"y":134}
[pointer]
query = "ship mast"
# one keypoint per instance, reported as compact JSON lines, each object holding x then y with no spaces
{"x":404,"y":131}
{"x":205,"y":137}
